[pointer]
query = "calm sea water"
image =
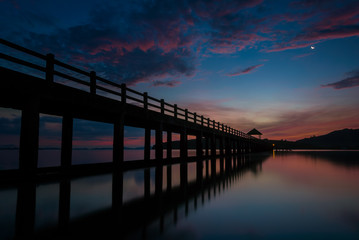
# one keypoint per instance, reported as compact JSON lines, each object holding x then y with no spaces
{"x":283,"y":195}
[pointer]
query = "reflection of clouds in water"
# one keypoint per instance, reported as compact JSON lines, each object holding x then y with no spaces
{"x":131,"y":189}
{"x":133,"y":184}
{"x":90,"y":194}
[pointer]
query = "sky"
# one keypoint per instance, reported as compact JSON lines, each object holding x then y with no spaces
{"x":287,"y":68}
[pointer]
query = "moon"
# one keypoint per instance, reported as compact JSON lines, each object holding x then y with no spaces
{"x":312,"y":47}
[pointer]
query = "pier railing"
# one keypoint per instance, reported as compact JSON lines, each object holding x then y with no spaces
{"x":53,"y":70}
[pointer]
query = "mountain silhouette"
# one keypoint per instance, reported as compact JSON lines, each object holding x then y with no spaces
{"x":339,"y":139}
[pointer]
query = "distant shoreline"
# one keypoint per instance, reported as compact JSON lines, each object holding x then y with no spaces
{"x":57,"y":148}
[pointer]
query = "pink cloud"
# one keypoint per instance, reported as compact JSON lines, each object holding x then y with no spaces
{"x":293,"y":45}
{"x":295,"y":125}
{"x":334,"y":24}
{"x":286,"y":124}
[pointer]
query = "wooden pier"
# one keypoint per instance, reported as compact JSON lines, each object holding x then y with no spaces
{"x":46,"y":85}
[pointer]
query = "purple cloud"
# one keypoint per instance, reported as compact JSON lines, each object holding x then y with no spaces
{"x":245,"y":71}
{"x":139,"y":41}
{"x":324,"y":20}
{"x":349,"y":82}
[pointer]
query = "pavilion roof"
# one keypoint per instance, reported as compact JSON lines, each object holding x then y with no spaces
{"x":254,"y":132}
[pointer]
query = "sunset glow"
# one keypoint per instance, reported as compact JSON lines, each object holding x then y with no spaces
{"x":287,"y":68}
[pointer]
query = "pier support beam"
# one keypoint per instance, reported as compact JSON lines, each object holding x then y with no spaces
{"x":199,"y":147}
{"x":199,"y":154}
{"x":221,"y":146}
{"x":147,"y":150}
{"x":159,"y":142}
{"x":169,"y":144}
{"x":118,"y":142}
{"x":234,"y":147}
{"x":247,"y":146}
{"x":213,"y":146}
{"x":29,"y":138}
{"x":228,"y":146}
{"x":66,"y":141}
{"x":183,"y":144}
{"x":207,"y":146}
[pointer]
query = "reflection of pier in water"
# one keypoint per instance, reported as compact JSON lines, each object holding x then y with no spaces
{"x":159,"y":209}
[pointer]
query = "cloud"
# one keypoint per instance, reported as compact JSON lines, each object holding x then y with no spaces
{"x":245,"y":71}
{"x":278,"y":122}
{"x":149,"y":41}
{"x":298,"y":124}
{"x":302,"y":55}
{"x":123,"y":42}
{"x":349,"y":82}
{"x":166,"y":83}
{"x":324,"y":20}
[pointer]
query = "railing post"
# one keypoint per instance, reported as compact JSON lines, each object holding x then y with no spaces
{"x":214,"y":124}
{"x":208,"y":122}
{"x":175,"y":110}
{"x":186,"y":114}
{"x":50,"y":61}
{"x":162,"y":106}
{"x":123,"y":93}
{"x":195,"y":117}
{"x":93,"y":82}
{"x":202,"y":120}
{"x":145,"y":100}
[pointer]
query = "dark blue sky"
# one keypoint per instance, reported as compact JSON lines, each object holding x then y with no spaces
{"x":245,"y":63}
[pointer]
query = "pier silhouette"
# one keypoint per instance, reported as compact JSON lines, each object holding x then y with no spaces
{"x":46,"y":85}
{"x":40,"y":84}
